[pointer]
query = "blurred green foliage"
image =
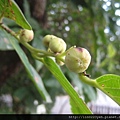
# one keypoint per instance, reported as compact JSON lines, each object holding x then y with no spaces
{"x":86,"y":23}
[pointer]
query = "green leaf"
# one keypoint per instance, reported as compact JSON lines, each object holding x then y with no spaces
{"x":76,"y":100}
{"x":9,"y":9}
{"x":74,"y":108}
{"x":5,"y":41}
{"x":36,"y":79}
{"x":110,"y":85}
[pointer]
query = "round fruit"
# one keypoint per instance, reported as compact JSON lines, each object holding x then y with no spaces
{"x":47,"y":39}
{"x":26,"y":35}
{"x":77,"y":59}
{"x":57,"y":45}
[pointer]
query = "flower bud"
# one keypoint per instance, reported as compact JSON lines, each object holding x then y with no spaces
{"x":77,"y":59}
{"x":57,"y":45}
{"x":26,"y":35}
{"x":47,"y":39}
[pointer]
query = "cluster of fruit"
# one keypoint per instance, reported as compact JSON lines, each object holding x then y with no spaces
{"x":76,"y":59}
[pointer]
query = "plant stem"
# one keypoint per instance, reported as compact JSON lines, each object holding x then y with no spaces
{"x":62,"y":60}
{"x":9,"y":30}
{"x":87,"y":80}
{"x":34,"y":50}
{"x":64,"y":53}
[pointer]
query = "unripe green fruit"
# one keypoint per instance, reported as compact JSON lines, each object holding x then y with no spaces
{"x":77,"y":59}
{"x":26,"y":35}
{"x":57,"y":45}
{"x":47,"y":39}
{"x":59,"y":62}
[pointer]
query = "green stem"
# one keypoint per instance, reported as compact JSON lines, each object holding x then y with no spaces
{"x":30,"y":48}
{"x":38,"y":55}
{"x":61,"y":59}
{"x":87,"y":80}
{"x":59,"y":56}
{"x":37,"y":58}
{"x":64,"y":53}
{"x":37,"y":51}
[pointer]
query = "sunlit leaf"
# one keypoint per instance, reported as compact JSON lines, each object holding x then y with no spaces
{"x":110,"y":84}
{"x":9,"y":9}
